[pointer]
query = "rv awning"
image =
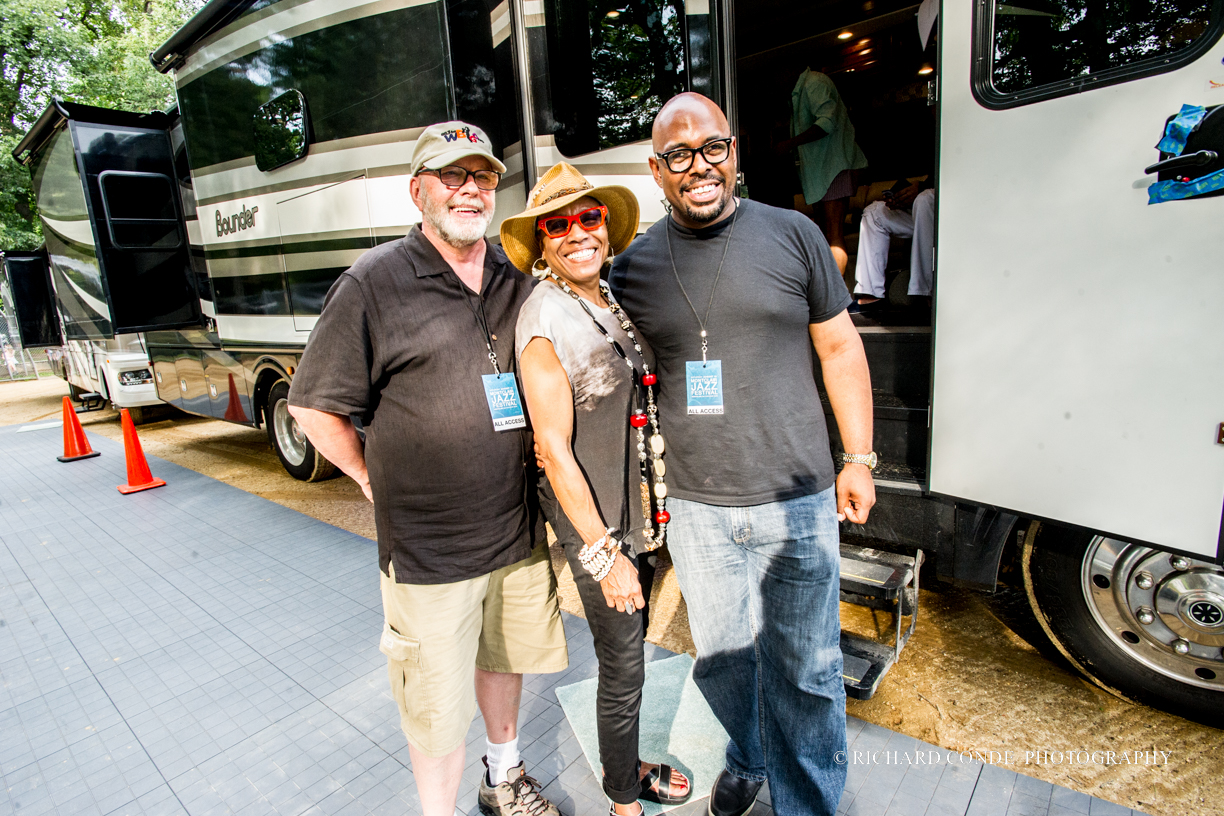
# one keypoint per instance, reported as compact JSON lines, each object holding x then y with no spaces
{"x":214,"y":15}
{"x":60,"y":111}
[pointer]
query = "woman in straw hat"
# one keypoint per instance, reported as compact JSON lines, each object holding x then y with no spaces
{"x":588,"y":380}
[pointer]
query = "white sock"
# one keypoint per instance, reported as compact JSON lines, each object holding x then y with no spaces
{"x":501,"y":758}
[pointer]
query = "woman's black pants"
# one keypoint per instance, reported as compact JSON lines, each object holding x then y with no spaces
{"x":622,"y":670}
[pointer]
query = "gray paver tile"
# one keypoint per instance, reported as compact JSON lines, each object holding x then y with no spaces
{"x":1068,"y":799}
{"x":211,"y":651}
{"x":1100,"y":807}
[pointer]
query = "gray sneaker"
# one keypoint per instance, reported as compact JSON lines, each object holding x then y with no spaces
{"x":519,"y":795}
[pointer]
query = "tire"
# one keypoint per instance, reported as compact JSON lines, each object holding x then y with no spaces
{"x":1091,"y":593}
{"x":296,"y":453}
{"x":138,"y":414}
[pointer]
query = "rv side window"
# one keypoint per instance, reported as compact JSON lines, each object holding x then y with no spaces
{"x":1035,"y":49}
{"x":140,"y":211}
{"x":613,"y":65}
{"x":282,"y":133}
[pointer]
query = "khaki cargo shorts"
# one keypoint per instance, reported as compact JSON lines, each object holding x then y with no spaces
{"x":437,"y":635}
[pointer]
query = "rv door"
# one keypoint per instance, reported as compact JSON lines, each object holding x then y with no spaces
{"x":1078,"y":346}
{"x":29,"y":280}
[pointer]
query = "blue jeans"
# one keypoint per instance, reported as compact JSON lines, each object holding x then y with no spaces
{"x":761,"y":585}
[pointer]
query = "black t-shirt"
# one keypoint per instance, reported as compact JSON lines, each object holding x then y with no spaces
{"x":771,"y":443}
{"x":399,"y":344}
{"x":603,"y":443}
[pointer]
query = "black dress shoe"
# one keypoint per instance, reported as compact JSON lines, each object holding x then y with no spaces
{"x":732,"y":796}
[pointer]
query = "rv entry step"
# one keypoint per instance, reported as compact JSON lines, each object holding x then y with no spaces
{"x":90,"y":401}
{"x":879,"y":580}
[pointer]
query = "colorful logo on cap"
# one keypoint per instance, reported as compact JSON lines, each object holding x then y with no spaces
{"x":461,"y":133}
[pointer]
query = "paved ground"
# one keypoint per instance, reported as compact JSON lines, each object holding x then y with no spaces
{"x":196,"y":649}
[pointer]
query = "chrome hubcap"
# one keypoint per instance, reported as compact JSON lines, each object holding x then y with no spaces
{"x":289,"y":436}
{"x":1166,"y":611}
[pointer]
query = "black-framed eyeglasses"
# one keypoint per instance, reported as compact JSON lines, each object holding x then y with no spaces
{"x":454,"y":177}
{"x":681,"y":159}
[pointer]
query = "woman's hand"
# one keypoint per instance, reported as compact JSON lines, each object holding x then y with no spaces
{"x":621,"y":585}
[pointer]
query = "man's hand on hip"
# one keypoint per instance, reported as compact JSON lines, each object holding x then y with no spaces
{"x":855,"y":493}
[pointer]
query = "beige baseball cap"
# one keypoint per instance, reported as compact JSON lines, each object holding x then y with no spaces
{"x":447,"y":142}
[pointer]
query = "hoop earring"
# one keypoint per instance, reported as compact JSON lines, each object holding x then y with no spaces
{"x":538,"y":271}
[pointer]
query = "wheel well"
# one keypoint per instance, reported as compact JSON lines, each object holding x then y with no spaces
{"x":264,"y":380}
{"x":971,"y":552}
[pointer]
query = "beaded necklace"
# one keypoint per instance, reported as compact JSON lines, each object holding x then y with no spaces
{"x":650,"y":454}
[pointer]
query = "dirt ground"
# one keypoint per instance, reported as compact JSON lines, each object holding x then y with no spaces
{"x":976,"y":676}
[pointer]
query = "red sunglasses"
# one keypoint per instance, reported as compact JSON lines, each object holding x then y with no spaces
{"x":559,"y":226}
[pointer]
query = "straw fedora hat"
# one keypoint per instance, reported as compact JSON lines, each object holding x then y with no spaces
{"x":561,"y":185}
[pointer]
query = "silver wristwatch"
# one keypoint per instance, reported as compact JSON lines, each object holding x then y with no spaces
{"x":868,"y":459}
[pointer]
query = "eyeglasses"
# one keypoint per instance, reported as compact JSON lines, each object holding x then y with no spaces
{"x":454,"y":177}
{"x":681,"y":159}
{"x":558,"y":226}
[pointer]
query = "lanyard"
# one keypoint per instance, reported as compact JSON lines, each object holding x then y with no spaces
{"x":482,"y":321}
{"x":701,"y":322}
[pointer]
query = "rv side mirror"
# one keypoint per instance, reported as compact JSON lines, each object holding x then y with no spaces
{"x":282,"y":131}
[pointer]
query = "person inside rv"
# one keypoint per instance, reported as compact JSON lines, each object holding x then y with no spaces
{"x":822,"y":132}
{"x":906,"y":211}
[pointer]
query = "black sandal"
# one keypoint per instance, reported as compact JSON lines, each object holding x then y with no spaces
{"x":662,"y":793}
{"x":612,"y":810}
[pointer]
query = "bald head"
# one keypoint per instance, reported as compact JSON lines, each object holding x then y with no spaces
{"x":700,"y":190}
{"x":684,"y":112}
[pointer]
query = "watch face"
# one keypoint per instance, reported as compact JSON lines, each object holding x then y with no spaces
{"x":872,"y":460}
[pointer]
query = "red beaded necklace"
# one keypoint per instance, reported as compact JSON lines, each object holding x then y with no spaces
{"x":650,"y":454}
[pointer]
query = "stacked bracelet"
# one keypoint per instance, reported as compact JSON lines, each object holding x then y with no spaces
{"x":598,"y":557}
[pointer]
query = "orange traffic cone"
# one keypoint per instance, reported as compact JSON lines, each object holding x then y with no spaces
{"x":139,"y":477}
{"x":233,"y":411}
{"x":76,"y":446}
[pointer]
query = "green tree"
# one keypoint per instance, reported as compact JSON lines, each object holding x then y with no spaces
{"x":89,"y":51}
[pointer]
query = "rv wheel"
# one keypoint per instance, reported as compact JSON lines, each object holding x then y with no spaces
{"x":1141,"y":623}
{"x":291,"y":445}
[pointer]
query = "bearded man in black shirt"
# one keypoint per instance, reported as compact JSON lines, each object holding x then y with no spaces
{"x":418,"y":339}
{"x":734,"y":296}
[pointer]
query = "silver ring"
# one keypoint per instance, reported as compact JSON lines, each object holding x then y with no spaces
{"x":629,"y":607}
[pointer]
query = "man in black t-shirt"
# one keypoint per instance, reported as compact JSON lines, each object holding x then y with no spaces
{"x":734,"y":296}
{"x":418,"y":339}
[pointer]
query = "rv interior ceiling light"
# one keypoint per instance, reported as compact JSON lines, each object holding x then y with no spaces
{"x":845,"y":35}
{"x":613,"y":14}
{"x":924,"y":70}
{"x":864,"y":52}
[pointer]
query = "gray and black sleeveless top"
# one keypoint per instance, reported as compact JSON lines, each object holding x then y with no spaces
{"x":604,"y":444}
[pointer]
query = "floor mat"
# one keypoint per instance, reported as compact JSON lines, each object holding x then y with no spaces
{"x":677,"y":726}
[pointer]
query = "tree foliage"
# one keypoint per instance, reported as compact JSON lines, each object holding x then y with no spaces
{"x":94,"y":52}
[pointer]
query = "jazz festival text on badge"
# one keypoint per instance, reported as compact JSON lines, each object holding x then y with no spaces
{"x":704,"y":386}
{"x":501,"y":391}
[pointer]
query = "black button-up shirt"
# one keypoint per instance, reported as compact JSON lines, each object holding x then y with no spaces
{"x":400,"y":344}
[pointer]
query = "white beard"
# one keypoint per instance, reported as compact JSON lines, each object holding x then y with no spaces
{"x":458,"y":232}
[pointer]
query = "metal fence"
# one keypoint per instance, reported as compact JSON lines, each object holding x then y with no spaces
{"x":16,"y":362}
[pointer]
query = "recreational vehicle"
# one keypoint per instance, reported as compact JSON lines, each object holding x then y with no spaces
{"x":1055,"y":411}
{"x":102,"y":259}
